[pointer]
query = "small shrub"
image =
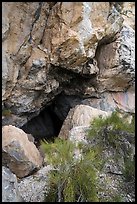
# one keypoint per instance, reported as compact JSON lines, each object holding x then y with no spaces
{"x":71,"y":180}
{"x":58,"y":152}
{"x":74,"y":180}
{"x":108,"y":131}
{"x":115,"y":134}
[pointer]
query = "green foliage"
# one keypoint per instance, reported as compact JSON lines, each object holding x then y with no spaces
{"x":75,"y":180}
{"x":107,"y":130}
{"x":71,"y":180}
{"x":115,"y":132}
{"x":115,"y":121}
{"x":6,"y":112}
{"x":116,"y":198}
{"x":59,"y":152}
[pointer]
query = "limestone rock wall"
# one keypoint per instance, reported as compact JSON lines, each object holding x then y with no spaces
{"x":81,"y":48}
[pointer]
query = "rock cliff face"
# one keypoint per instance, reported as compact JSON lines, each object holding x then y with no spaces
{"x":84,"y":49}
{"x":63,"y":63}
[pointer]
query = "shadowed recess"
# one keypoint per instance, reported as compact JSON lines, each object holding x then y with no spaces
{"x":48,"y":123}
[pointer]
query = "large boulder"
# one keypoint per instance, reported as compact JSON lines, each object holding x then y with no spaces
{"x":18,"y":153}
{"x":81,"y":115}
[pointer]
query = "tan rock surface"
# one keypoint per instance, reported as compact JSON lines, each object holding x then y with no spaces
{"x":81,"y":115}
{"x":116,"y":62}
{"x":19,"y":154}
{"x":74,"y":35}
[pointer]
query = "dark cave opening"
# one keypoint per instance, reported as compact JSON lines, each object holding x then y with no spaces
{"x":48,"y":123}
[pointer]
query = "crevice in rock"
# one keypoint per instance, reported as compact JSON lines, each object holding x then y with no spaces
{"x":51,"y":4}
{"x":36,"y":17}
{"x":48,"y":123}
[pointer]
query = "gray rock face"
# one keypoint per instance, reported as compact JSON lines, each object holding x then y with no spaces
{"x":10,"y":191}
{"x":33,"y":188}
{"x":78,"y":134}
{"x":109,"y":101}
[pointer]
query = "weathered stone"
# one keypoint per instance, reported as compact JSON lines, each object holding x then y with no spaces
{"x":19,"y":27}
{"x":78,"y":134}
{"x":18,"y":153}
{"x":22,"y":57}
{"x":111,"y":178}
{"x":81,"y":115}
{"x":13,"y":119}
{"x":109,"y":101}
{"x":33,"y":188}
{"x":63,"y":34}
{"x":4,"y":73}
{"x":128,"y":13}
{"x":10,"y":191}
{"x":75,"y":34}
{"x":116,"y":62}
{"x":125,"y":101}
{"x":5,"y":24}
{"x":80,"y":48}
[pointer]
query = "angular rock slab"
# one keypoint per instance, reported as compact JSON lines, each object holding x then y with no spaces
{"x":18,"y":153}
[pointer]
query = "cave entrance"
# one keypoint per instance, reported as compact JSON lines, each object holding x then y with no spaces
{"x":48,"y":123}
